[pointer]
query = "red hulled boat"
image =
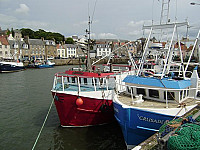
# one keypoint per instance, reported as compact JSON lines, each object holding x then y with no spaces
{"x":83,"y":98}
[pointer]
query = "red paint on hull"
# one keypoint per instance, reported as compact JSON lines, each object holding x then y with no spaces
{"x":91,"y":112}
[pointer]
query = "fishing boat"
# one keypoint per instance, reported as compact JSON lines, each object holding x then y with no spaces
{"x":83,"y":96}
{"x":46,"y":64}
{"x":11,"y":66}
{"x":151,"y":100}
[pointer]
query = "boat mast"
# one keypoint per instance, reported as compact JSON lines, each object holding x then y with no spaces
{"x":88,"y":65}
{"x":164,"y":19}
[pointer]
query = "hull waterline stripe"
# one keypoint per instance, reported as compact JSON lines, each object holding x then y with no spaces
{"x":147,"y":129}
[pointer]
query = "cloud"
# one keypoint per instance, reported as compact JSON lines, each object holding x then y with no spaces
{"x":11,"y":21}
{"x":23,"y":9}
{"x":107,"y":36}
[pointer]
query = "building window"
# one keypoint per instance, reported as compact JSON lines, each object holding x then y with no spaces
{"x":0,"y":46}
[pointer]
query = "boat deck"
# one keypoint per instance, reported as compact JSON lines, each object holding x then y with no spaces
{"x":126,"y":99}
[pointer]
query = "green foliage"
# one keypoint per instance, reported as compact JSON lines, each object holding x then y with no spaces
{"x":42,"y":34}
{"x":69,"y":40}
{"x":8,"y":32}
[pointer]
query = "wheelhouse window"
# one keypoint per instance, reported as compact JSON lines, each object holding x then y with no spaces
{"x":128,"y":89}
{"x":95,"y":80}
{"x":141,"y":91}
{"x":73,"y":79}
{"x":170,"y":95}
{"x":85,"y":81}
{"x":153,"y":93}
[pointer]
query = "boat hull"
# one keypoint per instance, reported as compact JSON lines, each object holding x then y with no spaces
{"x":44,"y":66}
{"x":137,"y":125}
{"x":10,"y":69}
{"x":89,"y":113}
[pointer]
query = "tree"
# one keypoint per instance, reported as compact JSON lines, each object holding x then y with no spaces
{"x":69,"y":40}
{"x":27,"y":32}
{"x":43,"y":34}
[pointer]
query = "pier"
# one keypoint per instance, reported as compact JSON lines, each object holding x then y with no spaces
{"x":79,"y":61}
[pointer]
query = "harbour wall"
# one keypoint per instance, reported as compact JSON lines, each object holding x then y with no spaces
{"x":77,"y":61}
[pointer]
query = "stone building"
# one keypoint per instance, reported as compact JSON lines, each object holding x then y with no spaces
{"x":50,"y":49}
{"x":4,"y":47}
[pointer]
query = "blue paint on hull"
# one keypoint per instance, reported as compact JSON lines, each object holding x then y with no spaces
{"x":137,"y":125}
{"x":44,"y":66}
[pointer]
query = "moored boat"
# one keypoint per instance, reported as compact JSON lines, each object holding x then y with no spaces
{"x":11,"y":66}
{"x":150,"y":100}
{"x":46,"y":64}
{"x":83,"y":96}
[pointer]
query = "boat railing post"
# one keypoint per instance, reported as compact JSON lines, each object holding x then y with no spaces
{"x":132,"y":101}
{"x":107,"y":84}
{"x":166,"y":99}
{"x":55,"y":82}
{"x":116,"y":86}
{"x":94,"y":83}
{"x":63,"y":87}
{"x":79,"y":87}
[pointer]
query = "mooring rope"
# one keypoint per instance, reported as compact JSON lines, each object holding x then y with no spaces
{"x":43,"y":125}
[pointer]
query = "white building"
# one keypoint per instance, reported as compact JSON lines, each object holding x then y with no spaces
{"x":70,"y":50}
{"x":61,"y":51}
{"x":102,"y":49}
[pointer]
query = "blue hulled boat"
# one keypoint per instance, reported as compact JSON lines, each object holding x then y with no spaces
{"x":146,"y":101}
{"x":46,"y":64}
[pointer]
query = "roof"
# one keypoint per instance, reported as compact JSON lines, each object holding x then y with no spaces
{"x":18,"y":42}
{"x":4,"y":40}
{"x":155,"y":82}
{"x":36,"y":42}
{"x":70,"y":46}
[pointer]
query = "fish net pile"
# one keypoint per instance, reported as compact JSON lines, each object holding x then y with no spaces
{"x":186,"y":135}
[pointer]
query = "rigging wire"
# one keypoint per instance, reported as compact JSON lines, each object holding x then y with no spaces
{"x":152,"y":12}
{"x":90,"y":22}
{"x":176,"y":11}
{"x":94,"y":11}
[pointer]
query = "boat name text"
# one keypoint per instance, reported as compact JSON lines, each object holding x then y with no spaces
{"x":142,"y":118}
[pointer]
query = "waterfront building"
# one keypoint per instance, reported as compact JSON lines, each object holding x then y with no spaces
{"x":122,"y":51}
{"x":61,"y":51}
{"x":50,"y":49}
{"x":102,"y":48}
{"x":132,"y":48}
{"x":4,"y":47}
{"x":15,"y":49}
{"x":71,"y":50}
{"x":34,"y":48}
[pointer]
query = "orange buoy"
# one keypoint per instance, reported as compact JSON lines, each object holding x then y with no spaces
{"x":79,"y":101}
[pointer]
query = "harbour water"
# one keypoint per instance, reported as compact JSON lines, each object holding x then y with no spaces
{"x":25,"y":98}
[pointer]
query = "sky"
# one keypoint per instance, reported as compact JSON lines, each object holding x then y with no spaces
{"x":118,"y":19}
